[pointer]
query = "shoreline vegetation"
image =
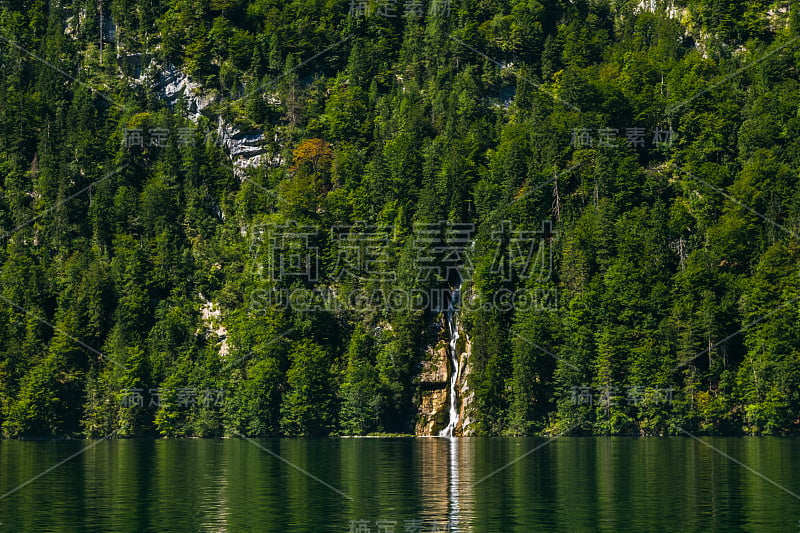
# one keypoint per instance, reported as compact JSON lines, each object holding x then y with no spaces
{"x":396,"y":436}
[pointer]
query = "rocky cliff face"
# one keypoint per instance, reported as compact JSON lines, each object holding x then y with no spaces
{"x":245,"y":147}
{"x":434,"y":380}
{"x":433,"y":386}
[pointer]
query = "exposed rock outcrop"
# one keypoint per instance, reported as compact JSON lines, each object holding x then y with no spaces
{"x":245,"y":147}
{"x":212,"y":323}
{"x":434,"y":380}
{"x":433,"y":387}
{"x":170,"y":84}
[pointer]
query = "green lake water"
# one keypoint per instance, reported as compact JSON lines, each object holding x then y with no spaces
{"x":402,"y":485}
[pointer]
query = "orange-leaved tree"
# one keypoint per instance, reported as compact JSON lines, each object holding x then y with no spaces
{"x":312,"y":154}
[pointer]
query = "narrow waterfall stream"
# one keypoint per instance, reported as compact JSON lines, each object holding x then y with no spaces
{"x":452,"y":327}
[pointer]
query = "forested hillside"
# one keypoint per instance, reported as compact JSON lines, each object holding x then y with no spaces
{"x":232,"y":217}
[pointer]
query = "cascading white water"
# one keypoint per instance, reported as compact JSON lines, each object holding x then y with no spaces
{"x":452,"y":327}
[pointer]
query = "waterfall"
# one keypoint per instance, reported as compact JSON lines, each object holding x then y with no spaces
{"x":452,"y":328}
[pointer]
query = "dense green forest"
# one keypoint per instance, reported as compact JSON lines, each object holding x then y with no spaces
{"x":615,"y":185}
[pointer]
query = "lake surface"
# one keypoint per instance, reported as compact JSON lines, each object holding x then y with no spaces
{"x":402,"y":484}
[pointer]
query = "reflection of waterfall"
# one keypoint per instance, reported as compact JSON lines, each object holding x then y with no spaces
{"x":455,"y":511}
{"x":452,"y":328}
{"x":446,"y":470}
